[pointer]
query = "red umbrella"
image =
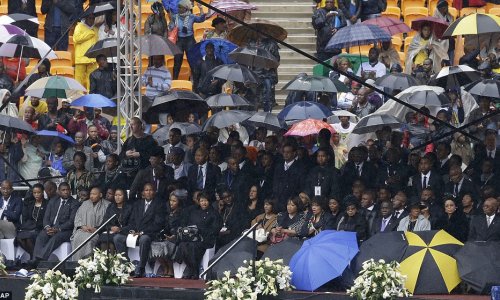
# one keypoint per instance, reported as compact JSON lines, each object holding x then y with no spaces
{"x":391,"y":25}
{"x":308,"y":127}
{"x":438,"y":26}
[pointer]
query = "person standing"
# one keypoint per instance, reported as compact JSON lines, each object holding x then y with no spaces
{"x":371,"y":9}
{"x":103,"y":80}
{"x":85,"y":36}
{"x":326,"y":21}
{"x":57,"y":21}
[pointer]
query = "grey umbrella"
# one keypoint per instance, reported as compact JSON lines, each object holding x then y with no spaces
{"x":186,"y":127}
{"x":161,"y":135}
{"x":226,"y":118}
{"x":234,"y":72}
{"x":284,"y":250}
{"x":316,"y":84}
{"x":254,"y":57}
{"x":455,"y":76}
{"x":244,"y":250}
{"x":485,"y":88}
{"x":423,"y":95}
{"x":153,"y":44}
{"x":103,"y":47}
{"x":372,"y":123}
{"x":266,"y":120}
{"x":226,"y":100}
{"x":397,"y":81}
{"x":8,"y":122}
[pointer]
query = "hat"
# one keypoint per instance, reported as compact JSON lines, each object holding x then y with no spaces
{"x":442,"y":3}
{"x":177,"y":151}
{"x":158,"y":151}
{"x":186,"y":4}
{"x":113,"y":129}
{"x":218,"y":21}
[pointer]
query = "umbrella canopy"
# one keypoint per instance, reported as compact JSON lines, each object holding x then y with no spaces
{"x":330,"y":251}
{"x":341,"y":113}
{"x":266,"y":120}
{"x":234,"y":72}
{"x":186,"y":128}
{"x":230,"y":5}
{"x":93,"y":100}
{"x":308,"y":127}
{"x":391,"y":25}
{"x":153,"y":44}
{"x":424,"y":95}
{"x":456,"y":76}
{"x":226,"y":118}
{"x":388,"y":246}
{"x":222,"y":48}
{"x":161,"y":135}
{"x":316,"y":84}
{"x":474,"y":24}
{"x":428,"y":262}
{"x":356,"y":35}
{"x":486,"y":88}
{"x":284,"y":250}
{"x":175,"y":101}
{"x":12,"y":123}
{"x":21,"y":45}
{"x":304,"y":110}
{"x":55,"y":134}
{"x":227,"y":100}
{"x":372,"y":123}
{"x":438,"y":26}
{"x":397,"y":81}
{"x":7,"y":30}
{"x":103,"y":47}
{"x":254,"y":57}
{"x":97,"y":9}
{"x":240,"y":34}
{"x":244,"y":250}
{"x":54,"y":86}
{"x":13,"y":18}
{"x":479,"y":265}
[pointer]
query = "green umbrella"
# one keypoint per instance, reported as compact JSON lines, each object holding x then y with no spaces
{"x":54,"y":86}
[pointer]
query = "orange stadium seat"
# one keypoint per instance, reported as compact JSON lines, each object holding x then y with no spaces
{"x":494,"y":11}
{"x":453,"y":12}
{"x":64,"y":58}
{"x":407,"y":44}
{"x":67,"y":71}
{"x":185,"y":71}
{"x":412,"y":13}
{"x":471,"y":10}
{"x":392,"y":12}
{"x":411,"y":3}
{"x":397,"y":42}
{"x":489,"y":6}
{"x":4,"y":9}
{"x":206,"y":24}
{"x":363,"y":49}
{"x":185,"y":85}
{"x":393,"y":3}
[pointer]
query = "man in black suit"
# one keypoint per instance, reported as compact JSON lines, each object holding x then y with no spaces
{"x":246,"y":166}
{"x":237,"y":182}
{"x":492,"y":151}
{"x":394,"y":174}
{"x":385,"y":222}
{"x":288,"y":177}
{"x":359,"y":168}
{"x":436,"y":212}
{"x":426,"y":178}
{"x":486,"y":226}
{"x":146,"y":222}
{"x":157,"y":172}
{"x":399,"y":202}
{"x":324,"y":179}
{"x":487,"y":175}
{"x":368,"y":207}
{"x":10,"y":211}
{"x":58,"y":223}
{"x":203,"y":176}
{"x":458,"y":185}
{"x":443,"y":151}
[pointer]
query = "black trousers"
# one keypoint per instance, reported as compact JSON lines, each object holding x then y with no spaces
{"x":184,"y":43}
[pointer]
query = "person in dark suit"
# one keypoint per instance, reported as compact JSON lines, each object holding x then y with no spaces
{"x":359,"y":168}
{"x":426,"y":178}
{"x":10,"y":208}
{"x":324,"y":175}
{"x":158,"y":173}
{"x":265,"y":169}
{"x":146,"y":222}
{"x":393,"y":173}
{"x":203,"y":176}
{"x":492,"y":151}
{"x":432,"y":211}
{"x":399,"y":202}
{"x":288,"y":177}
{"x":443,"y":151}
{"x":237,"y":182}
{"x":454,"y":221}
{"x":458,"y":185}
{"x":58,"y":223}
{"x":386,"y":221}
{"x":487,"y":175}
{"x":246,"y":166}
{"x":368,"y":208}
{"x":123,"y":211}
{"x":353,"y":221}
{"x":486,"y":226}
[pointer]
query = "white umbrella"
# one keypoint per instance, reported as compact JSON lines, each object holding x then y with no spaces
{"x":424,"y":95}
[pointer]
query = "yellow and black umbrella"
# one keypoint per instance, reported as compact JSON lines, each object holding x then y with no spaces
{"x":428,"y":262}
{"x":473,"y":24}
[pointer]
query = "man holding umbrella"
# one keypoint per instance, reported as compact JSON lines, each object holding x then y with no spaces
{"x":207,"y":86}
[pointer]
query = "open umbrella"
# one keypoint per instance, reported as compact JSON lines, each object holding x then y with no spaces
{"x":308,"y":127}
{"x":486,"y":88}
{"x":226,"y":118}
{"x":304,"y":110}
{"x":230,"y":5}
{"x":341,"y":113}
{"x":13,"y":18}
{"x":240,"y":34}
{"x":265,"y":119}
{"x":93,"y":100}
{"x":357,"y":35}
{"x":284,"y":250}
{"x":153,"y":44}
{"x":455,"y":76}
{"x":227,"y":100}
{"x":175,"y":101}
{"x":315,"y":84}
{"x":372,"y":123}
{"x":322,"y":258}
{"x":186,"y":128}
{"x":479,"y":265}
{"x":428,"y":262}
{"x":391,"y":25}
{"x":254,"y":57}
{"x":397,"y":81}
{"x":54,"y":86}
{"x":98,"y":9}
{"x":234,"y":72}
{"x":56,"y":135}
{"x":438,"y":26}
{"x":23,"y":45}
{"x":7,"y":30}
{"x":222,"y":48}
{"x":424,"y":95}
{"x":244,"y":250}
{"x":103,"y":47}
{"x":12,"y":123}
{"x":473,"y":24}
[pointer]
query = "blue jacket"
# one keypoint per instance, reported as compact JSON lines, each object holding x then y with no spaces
{"x":178,"y":21}
{"x":13,"y":210}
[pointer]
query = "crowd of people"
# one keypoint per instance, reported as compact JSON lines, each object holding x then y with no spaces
{"x":183,"y":194}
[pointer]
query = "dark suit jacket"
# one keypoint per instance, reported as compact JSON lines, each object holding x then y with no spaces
{"x":435,"y":182}
{"x":479,"y":230}
{"x":468,"y":187}
{"x":211,"y":180}
{"x":149,"y":222}
{"x":13,"y":210}
{"x":326,"y":177}
{"x":66,"y":218}
{"x":239,"y":183}
{"x":146,"y":175}
{"x":397,"y":170}
{"x":287,"y":183}
{"x":392,"y":225}
{"x":350,"y":174}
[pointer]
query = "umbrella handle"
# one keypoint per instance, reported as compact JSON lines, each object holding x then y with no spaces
{"x":19,"y":64}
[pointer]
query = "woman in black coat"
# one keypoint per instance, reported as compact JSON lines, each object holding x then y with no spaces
{"x":319,"y":219}
{"x":123,"y":211}
{"x":454,"y":221}
{"x":353,"y":221}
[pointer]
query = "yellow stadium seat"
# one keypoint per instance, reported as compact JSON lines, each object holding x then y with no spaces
{"x":41,"y":33}
{"x":397,"y":43}
{"x":433,"y":3}
{"x":63,"y":70}
{"x":185,"y":85}
{"x":363,"y":49}
{"x":407,"y":44}
{"x":489,"y":6}
{"x":495,"y":11}
{"x":412,"y":13}
{"x":392,"y":3}
{"x":64,"y":58}
{"x":4,"y":9}
{"x":453,"y":12}
{"x":471,"y":10}
{"x":402,"y":58}
{"x":411,"y":3}
{"x":392,"y":12}
{"x":185,"y":71}
{"x":206,"y":24}
{"x":146,"y":9}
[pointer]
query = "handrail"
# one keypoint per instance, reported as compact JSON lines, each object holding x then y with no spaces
{"x":98,"y":230}
{"x":252,"y":229}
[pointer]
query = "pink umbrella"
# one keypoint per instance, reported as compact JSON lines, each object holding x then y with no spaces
{"x":231,"y":5}
{"x":308,"y":127}
{"x":391,"y":25}
{"x":438,"y":26}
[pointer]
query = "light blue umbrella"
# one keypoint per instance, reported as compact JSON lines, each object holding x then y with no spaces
{"x":56,"y":134}
{"x":303,"y":110}
{"x":222,"y":48}
{"x":356,"y":35}
{"x":322,"y":258}
{"x":93,"y":100}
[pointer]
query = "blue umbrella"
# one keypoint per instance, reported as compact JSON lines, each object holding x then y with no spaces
{"x":222,"y":49}
{"x":93,"y":100}
{"x":356,"y":35}
{"x":322,"y":258}
{"x":50,"y":133}
{"x":303,"y":110}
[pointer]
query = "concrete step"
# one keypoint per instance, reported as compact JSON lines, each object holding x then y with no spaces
{"x":287,"y":76}
{"x":294,"y":68}
{"x":292,"y":23}
{"x":299,"y":31}
{"x":302,"y":38}
{"x":262,"y":14}
{"x":283,"y":6}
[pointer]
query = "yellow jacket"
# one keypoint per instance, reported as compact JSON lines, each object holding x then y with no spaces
{"x":84,"y":38}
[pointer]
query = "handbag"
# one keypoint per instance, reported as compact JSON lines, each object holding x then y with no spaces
{"x":260,"y":235}
{"x":173,"y":33}
{"x":189,"y":234}
{"x":277,"y":238}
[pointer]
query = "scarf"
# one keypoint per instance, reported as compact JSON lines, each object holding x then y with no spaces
{"x":186,"y":18}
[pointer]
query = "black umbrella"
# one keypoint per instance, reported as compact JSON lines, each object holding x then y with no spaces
{"x":486,"y":88}
{"x":455,"y":76}
{"x":103,"y":47}
{"x":244,"y":250}
{"x":226,"y":118}
{"x":14,"y":18}
{"x":315,"y":84}
{"x":372,"y":123}
{"x":479,"y":265}
{"x":266,"y":120}
{"x":26,"y":46}
{"x":235,"y":73}
{"x":12,"y":123}
{"x":254,"y":57}
{"x":397,"y":81}
{"x":227,"y":100}
{"x":284,"y":250}
{"x":178,"y":101}
{"x":97,"y":9}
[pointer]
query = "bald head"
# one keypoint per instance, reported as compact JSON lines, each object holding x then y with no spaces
{"x":490,"y":206}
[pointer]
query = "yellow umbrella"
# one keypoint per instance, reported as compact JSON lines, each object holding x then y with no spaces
{"x":474,"y":24}
{"x":428,"y":262}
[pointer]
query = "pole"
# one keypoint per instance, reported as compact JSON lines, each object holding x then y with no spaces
{"x":15,"y":171}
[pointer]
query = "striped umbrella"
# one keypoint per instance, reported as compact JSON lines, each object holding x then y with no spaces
{"x":357,"y":35}
{"x":23,"y":45}
{"x":13,"y":18}
{"x":230,"y":5}
{"x":308,"y":127}
{"x":474,"y":24}
{"x":54,"y":86}
{"x":7,"y":30}
{"x":391,"y":25}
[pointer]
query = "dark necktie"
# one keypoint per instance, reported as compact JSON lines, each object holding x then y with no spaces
{"x":424,"y":184}
{"x":199,"y":179}
{"x":456,"y":189}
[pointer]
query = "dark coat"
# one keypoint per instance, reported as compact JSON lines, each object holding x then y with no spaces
{"x":457,"y":225}
{"x":211,"y":180}
{"x":66,"y":218}
{"x":143,"y":145}
{"x":328,"y":178}
{"x":208,"y":222}
{"x":399,"y":173}
{"x":287,"y":184}
{"x":149,"y":222}
{"x":350,"y":174}
{"x":324,"y":26}
{"x":357,"y":224}
{"x":13,"y":210}
{"x":435,"y":182}
{"x":479,"y":230}
{"x":67,"y":8}
{"x":326,"y":222}
{"x":28,"y":222}
{"x":103,"y":82}
{"x":345,"y":7}
{"x":468,"y":187}
{"x":239,"y":184}
{"x":146,"y":176}
{"x":391,"y":225}
{"x":123,"y":215}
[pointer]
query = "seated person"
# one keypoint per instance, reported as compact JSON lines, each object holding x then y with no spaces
{"x":10,"y":211}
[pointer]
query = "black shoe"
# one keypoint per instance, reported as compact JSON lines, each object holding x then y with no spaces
{"x":141,"y":272}
{"x":32,"y":264}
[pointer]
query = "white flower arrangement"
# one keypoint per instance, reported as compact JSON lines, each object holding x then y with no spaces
{"x":99,"y":270}
{"x":51,"y":285}
{"x":379,"y":280}
{"x":270,"y":277}
{"x":2,"y":267}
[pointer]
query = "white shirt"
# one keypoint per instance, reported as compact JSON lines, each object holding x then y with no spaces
{"x":489,"y":219}
{"x":287,"y":165}
{"x":379,"y":69}
{"x":491,"y":153}
{"x":4,"y":207}
{"x":204,"y":172}
{"x":359,"y":168}
{"x":178,"y":170}
{"x":427,"y":177}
